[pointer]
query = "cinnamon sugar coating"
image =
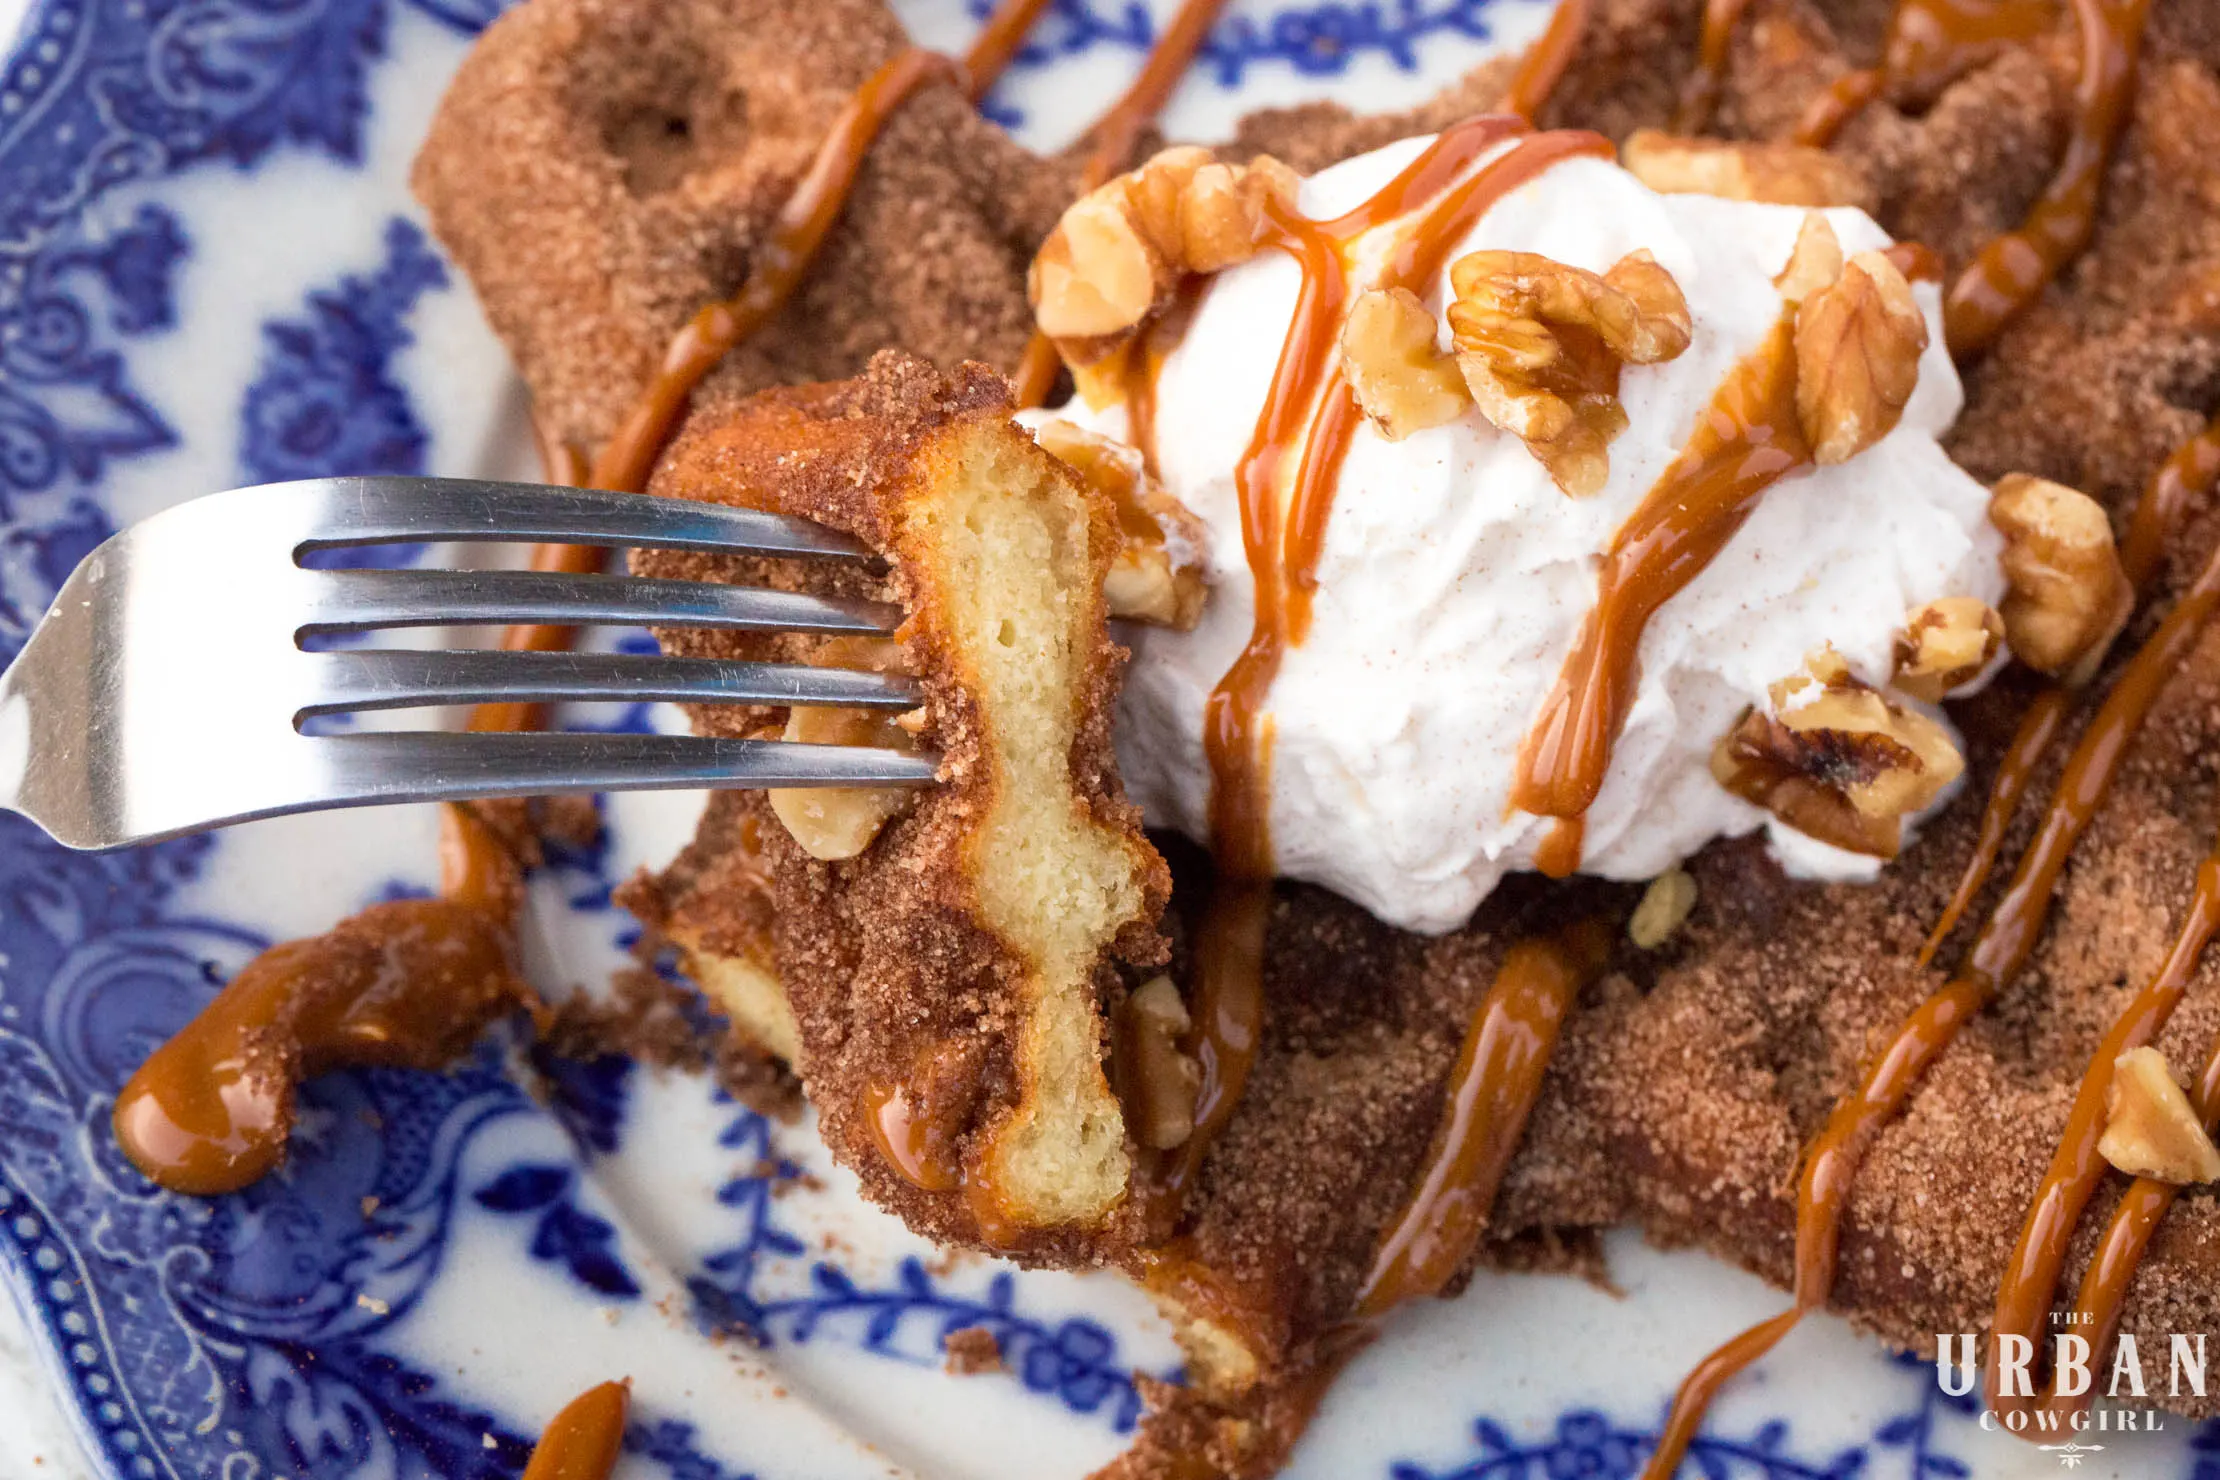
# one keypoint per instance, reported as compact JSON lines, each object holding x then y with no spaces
{"x":604,"y":168}
{"x":908,"y":966}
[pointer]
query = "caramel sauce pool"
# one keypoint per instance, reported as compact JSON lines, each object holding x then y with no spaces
{"x":582,"y":1442}
{"x":408,"y":984}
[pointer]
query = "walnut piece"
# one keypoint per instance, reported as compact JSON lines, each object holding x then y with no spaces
{"x":1664,"y":908}
{"x":1119,"y":253}
{"x":1775,"y":173}
{"x":1858,"y":343}
{"x":1401,"y":377}
{"x":1541,"y":344}
{"x":2069,"y":596}
{"x":1836,"y":760}
{"x":836,"y":822}
{"x":1156,"y":575}
{"x":1946,"y":643}
{"x":1814,"y":263}
{"x":1157,"y":1083}
{"x":2151,"y":1129}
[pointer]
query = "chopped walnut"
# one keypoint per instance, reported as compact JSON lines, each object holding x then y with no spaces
{"x":1775,"y":173}
{"x":1157,"y":575}
{"x":1858,"y":343}
{"x":1120,"y":251}
{"x":2069,"y":596}
{"x":1401,"y":377}
{"x":1836,"y":760}
{"x":1541,"y":344}
{"x":2151,"y":1129}
{"x":1946,"y":643}
{"x":1664,"y":908}
{"x":1157,"y":1083}
{"x":1222,"y":211}
{"x":836,"y":822}
{"x":1814,"y":263}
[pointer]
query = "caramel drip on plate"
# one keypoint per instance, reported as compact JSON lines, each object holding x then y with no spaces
{"x":1506,"y":1049}
{"x":2189,"y":473}
{"x":1745,"y":441}
{"x":2006,"y":941}
{"x":1112,"y":137}
{"x":408,"y":984}
{"x":2009,"y":273}
{"x":582,"y":1441}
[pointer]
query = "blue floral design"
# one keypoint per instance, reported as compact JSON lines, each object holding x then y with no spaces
{"x":565,"y":1234}
{"x":1321,"y":40}
{"x":325,"y":401}
{"x":1076,"y":1361}
{"x":1588,"y":1445}
{"x":587,"y":1096}
{"x":669,"y":1442}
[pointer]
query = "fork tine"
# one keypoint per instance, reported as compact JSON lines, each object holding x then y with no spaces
{"x":380,"y":510}
{"x":454,"y":766}
{"x":359,"y":600}
{"x":395,"y":679}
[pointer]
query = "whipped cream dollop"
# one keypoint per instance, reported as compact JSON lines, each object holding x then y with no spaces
{"x":1456,"y":574}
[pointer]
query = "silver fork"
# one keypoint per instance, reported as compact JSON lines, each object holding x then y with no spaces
{"x":166,"y":689}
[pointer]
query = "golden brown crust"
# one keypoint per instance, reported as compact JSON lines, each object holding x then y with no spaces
{"x":891,"y":960}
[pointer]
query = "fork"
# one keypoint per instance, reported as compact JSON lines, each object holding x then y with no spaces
{"x":167,"y":689}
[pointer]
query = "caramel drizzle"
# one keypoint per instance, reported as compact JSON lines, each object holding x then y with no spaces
{"x":1492,"y":1089}
{"x":582,"y":1441}
{"x":1310,"y":416}
{"x":779,"y":266}
{"x":2006,"y":941}
{"x":1309,"y":419}
{"x":2009,"y":273}
{"x":2039,"y":726}
{"x":1745,"y":441}
{"x":1542,"y":66}
{"x":1228,"y":1017}
{"x":1932,"y":42}
{"x":2030,"y":1283}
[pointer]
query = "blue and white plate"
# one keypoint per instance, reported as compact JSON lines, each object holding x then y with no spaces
{"x":211,"y":274}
